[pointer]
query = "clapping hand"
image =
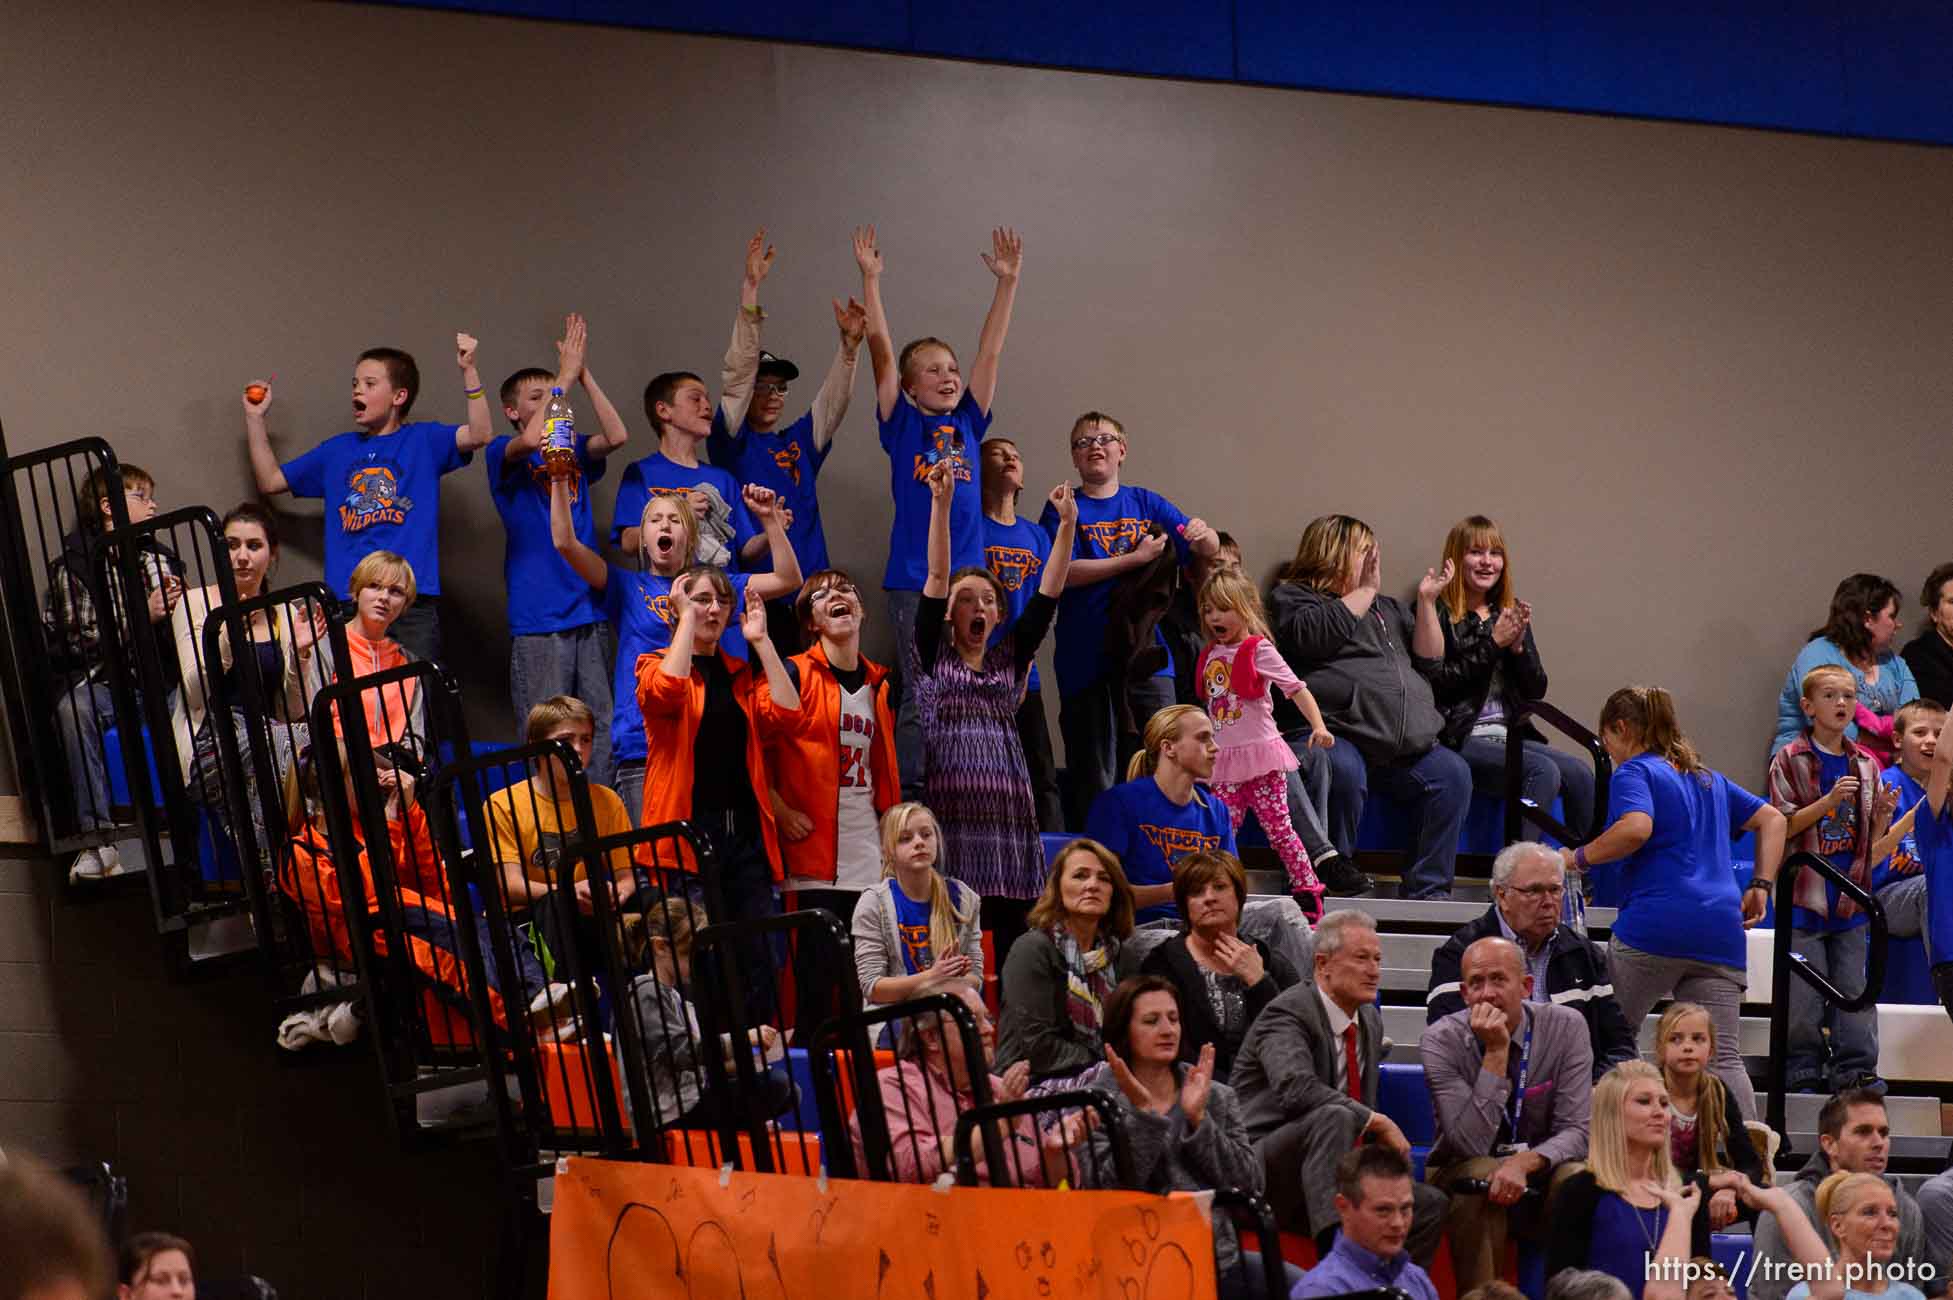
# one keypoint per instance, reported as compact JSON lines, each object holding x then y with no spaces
{"x":949,"y":968}
{"x":570,"y":349}
{"x":1509,"y":627}
{"x":753,"y":626}
{"x":1434,"y":581}
{"x":1196,"y":1087}
{"x":1013,"y":1083}
{"x":1845,"y":787}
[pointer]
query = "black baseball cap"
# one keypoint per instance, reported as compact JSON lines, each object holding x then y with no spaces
{"x":787,"y":370}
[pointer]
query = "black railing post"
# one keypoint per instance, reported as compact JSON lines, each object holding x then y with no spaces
{"x":1517,"y":811}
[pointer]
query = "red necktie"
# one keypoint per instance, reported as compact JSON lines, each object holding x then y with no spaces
{"x":1355,"y":1070}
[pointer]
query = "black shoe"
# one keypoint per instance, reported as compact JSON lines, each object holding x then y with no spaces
{"x":1341,"y":878}
{"x":1310,"y":901}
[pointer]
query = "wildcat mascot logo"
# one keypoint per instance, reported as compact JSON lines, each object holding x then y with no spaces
{"x":945,"y":444}
{"x":787,"y":458}
{"x":373,"y":497}
{"x":1011,"y":565}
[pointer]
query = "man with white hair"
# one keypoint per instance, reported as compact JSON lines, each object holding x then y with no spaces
{"x":1528,"y":886}
{"x":1306,"y":1078}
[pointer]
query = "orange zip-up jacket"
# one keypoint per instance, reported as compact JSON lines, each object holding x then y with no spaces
{"x":806,"y":766}
{"x":672,"y":707}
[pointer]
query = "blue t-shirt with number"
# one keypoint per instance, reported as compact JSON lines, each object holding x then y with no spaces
{"x":727,"y":522}
{"x":545,"y":594}
{"x":1107,"y":526}
{"x":638,"y":605}
{"x":381,"y":494}
{"x":1679,"y":896}
{"x":912,"y":923}
{"x":1150,"y":832}
{"x":1837,"y":841}
{"x":1903,"y":863}
{"x":1017,"y":553}
{"x":916,"y":442}
{"x":787,"y":461}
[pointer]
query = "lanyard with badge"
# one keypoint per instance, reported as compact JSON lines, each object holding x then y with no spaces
{"x":1515,"y":1146}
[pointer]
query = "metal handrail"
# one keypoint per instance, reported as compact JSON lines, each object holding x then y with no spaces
{"x":1785,"y":962}
{"x":1517,"y":810}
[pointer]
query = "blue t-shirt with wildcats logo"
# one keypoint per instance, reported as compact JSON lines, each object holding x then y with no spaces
{"x":727,"y":525}
{"x":915,"y":443}
{"x":1150,"y":832}
{"x":1017,"y":553}
{"x":788,"y":462}
{"x":912,"y":923}
{"x":381,"y":494}
{"x":1905,"y":859}
{"x":638,"y":605}
{"x":1107,"y":527}
{"x":545,"y":593}
{"x":1837,"y":840}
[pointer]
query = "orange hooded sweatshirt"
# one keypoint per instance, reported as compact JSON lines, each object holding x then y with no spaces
{"x":806,"y":764}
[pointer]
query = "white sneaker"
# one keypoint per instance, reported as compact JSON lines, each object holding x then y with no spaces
{"x":343,"y":1022}
{"x":553,"y":1016}
{"x":111,"y":860}
{"x":88,"y":866}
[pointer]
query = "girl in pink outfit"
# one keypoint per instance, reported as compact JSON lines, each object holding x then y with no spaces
{"x":1233,"y":677}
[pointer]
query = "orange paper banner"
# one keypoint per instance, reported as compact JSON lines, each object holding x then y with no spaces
{"x":644,"y":1232}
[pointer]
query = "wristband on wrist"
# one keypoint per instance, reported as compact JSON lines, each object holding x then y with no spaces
{"x":1580,"y":857}
{"x":1758,"y":882}
{"x":471,"y":393}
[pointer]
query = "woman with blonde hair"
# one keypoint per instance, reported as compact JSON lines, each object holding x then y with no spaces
{"x":1490,"y":664}
{"x":1863,"y":1216}
{"x":1679,"y":930}
{"x":1369,"y":661}
{"x":915,"y":932}
{"x":1163,"y":810}
{"x":1060,"y":973}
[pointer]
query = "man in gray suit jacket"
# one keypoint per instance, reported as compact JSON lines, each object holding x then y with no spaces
{"x":1292,"y":1077}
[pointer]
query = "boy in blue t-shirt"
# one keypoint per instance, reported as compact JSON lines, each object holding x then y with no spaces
{"x":382,"y":481}
{"x":926,"y":415}
{"x":1158,"y":818}
{"x":1933,"y":836}
{"x":787,"y":460}
{"x":560,"y":640}
{"x":682,"y":415}
{"x":1824,"y":784}
{"x":1119,"y":529}
{"x":1898,"y":879}
{"x":1016,"y":550}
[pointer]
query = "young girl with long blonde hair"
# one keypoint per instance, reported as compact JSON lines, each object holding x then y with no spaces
{"x":915,"y":931}
{"x":1705,"y":1126}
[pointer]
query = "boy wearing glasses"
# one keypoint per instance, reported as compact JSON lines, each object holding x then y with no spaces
{"x":787,"y":460}
{"x":1120,"y":529}
{"x":1528,"y":885}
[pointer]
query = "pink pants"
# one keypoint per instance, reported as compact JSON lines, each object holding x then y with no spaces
{"x":1267,"y":794}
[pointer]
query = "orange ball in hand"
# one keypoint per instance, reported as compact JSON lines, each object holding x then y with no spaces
{"x":256,"y":392}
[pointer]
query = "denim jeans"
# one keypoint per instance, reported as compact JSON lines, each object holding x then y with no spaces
{"x":81,"y":714}
{"x":1436,"y":789}
{"x":910,"y":757}
{"x":1311,"y":788}
{"x":1095,"y":752}
{"x":1839,"y":956}
{"x":629,"y":784}
{"x":574,"y":662}
{"x":1548,"y":772}
{"x":1642,"y":979}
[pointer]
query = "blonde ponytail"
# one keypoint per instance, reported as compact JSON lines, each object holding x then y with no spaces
{"x":1162,"y":728}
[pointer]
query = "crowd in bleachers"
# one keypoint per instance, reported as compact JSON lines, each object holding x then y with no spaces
{"x":705,"y":665}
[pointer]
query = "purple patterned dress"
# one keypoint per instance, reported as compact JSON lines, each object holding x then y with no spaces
{"x":977,"y":784}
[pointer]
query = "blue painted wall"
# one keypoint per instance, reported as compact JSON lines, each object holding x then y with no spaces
{"x":1875,"y":68}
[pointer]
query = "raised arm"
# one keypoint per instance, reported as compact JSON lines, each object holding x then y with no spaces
{"x":942,"y":485}
{"x":742,"y":354}
{"x":678,"y":658}
{"x":612,"y":433}
{"x":1939,"y":776}
{"x":779,"y":683}
{"x":881,"y":344}
{"x":480,"y":429}
{"x":569,"y":364}
{"x":831,"y":402}
{"x":1427,"y":637}
{"x":1058,"y":568}
{"x":764,"y":505}
{"x":264,"y":462}
{"x":1005,"y":260}
{"x":588,"y":564}
{"x":1369,"y":580}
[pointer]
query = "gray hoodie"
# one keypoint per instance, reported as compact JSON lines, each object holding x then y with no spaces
{"x":1767,"y":1268}
{"x":1373,"y":691}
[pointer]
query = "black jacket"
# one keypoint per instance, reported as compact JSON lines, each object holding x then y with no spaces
{"x":1131,"y":651}
{"x":1931,"y":661}
{"x":1198,"y":1027}
{"x":1576,"y":976}
{"x":1471,"y":658}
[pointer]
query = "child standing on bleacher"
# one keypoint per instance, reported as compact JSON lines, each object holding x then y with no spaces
{"x":1898,"y":879}
{"x":559,"y":642}
{"x":1236,"y":676}
{"x":1824,"y":784}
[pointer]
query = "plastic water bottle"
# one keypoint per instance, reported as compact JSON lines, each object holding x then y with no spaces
{"x":559,"y":434}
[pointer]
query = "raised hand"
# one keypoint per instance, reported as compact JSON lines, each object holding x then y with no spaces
{"x":867,"y":255}
{"x":1006,"y":256}
{"x":753,"y":626}
{"x":571,"y":348}
{"x":942,"y":481}
{"x":1194,"y":1090}
{"x":1195,"y":531}
{"x":262,"y":387}
{"x":464,"y":350}
{"x":1369,"y":571}
{"x":761,"y":502}
{"x":1434,"y":581}
{"x":759,"y":258}
{"x":1013,"y":1083}
{"x":1845,"y":787}
{"x":1065,"y":502}
{"x":1128,"y":1082}
{"x":308,"y":630}
{"x":1883,"y":808}
{"x":1240,"y":959}
{"x":852,"y":320}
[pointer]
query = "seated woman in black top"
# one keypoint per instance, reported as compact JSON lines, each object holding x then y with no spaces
{"x":967,"y":691}
{"x":1224,"y":980}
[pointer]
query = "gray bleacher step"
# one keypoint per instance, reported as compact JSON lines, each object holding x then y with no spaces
{"x":1909,"y":1117}
{"x":1447,"y":913}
